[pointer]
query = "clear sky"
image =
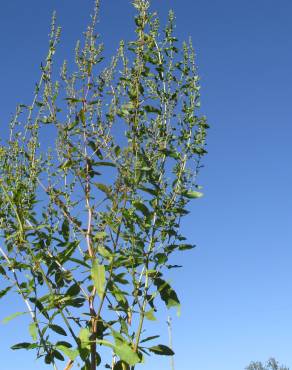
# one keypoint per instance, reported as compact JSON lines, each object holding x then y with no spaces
{"x":235,"y":288}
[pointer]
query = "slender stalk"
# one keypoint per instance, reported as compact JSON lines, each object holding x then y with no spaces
{"x":169,"y":324}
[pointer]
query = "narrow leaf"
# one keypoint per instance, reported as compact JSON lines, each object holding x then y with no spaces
{"x":23,"y":345}
{"x":149,"y":338}
{"x":167,"y":294}
{"x":192,"y":194}
{"x":161,"y":349}
{"x":11,"y":317}
{"x":4,"y":291}
{"x":105,"y":189}
{"x":58,"y":329}
{"x":109,"y":164}
{"x":33,"y":331}
{"x":142,"y":208}
{"x":65,"y":229}
{"x":98,"y":277}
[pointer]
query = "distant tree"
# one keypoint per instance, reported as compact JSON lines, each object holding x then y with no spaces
{"x":271,"y":364}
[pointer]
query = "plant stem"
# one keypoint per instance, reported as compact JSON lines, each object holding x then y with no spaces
{"x":170,"y":340}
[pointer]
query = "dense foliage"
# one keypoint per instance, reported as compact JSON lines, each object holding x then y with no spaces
{"x":95,"y":178}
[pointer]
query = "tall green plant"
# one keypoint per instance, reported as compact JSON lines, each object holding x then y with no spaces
{"x":89,"y":222}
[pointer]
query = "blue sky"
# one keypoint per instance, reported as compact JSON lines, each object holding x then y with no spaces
{"x":235,"y":287}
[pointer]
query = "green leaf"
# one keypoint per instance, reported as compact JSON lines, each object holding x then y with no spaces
{"x":105,"y":189}
{"x":98,"y":277}
{"x":149,"y":190}
{"x":71,"y":353}
{"x":68,"y":251}
{"x":11,"y":317}
{"x":184,"y":247}
{"x":122,"y":349}
{"x":192,"y":194}
{"x":79,"y":262}
{"x":4,"y":291}
{"x":105,"y":253}
{"x":126,"y":354}
{"x":151,"y":109}
{"x":63,"y":343}
{"x":58,"y":329}
{"x":93,"y":102}
{"x":33,"y":331}
{"x":73,"y":290}
{"x":84,"y":336}
{"x":117,"y":150}
{"x":109,"y":164}
{"x":149,"y":338}
{"x":161,"y":349}
{"x":126,"y":109}
{"x":39,"y":104}
{"x":100,"y":235}
{"x":49,"y":358}
{"x":150,"y":316}
{"x":121,"y":365}
{"x":95,"y":147}
{"x":67,"y":164}
{"x":65,"y":229}
{"x":142,"y":208}
{"x":167,"y":294}
{"x":170,"y":153}
{"x":72,"y":125}
{"x":40,"y":307}
{"x":58,"y":355}
{"x":73,"y":100}
{"x":82,"y":116}
{"x":161,"y":258}
{"x":23,"y":345}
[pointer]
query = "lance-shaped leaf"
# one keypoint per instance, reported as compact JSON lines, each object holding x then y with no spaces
{"x":109,"y":164}
{"x":33,"y":331}
{"x":149,"y":338}
{"x":151,"y":109}
{"x":65,"y":229}
{"x":58,"y":329}
{"x":167,"y":294}
{"x":11,"y":317}
{"x":142,"y":208}
{"x":24,"y":345}
{"x":105,"y":189}
{"x":98,"y":277}
{"x":161,"y":349}
{"x":192,"y":194}
{"x":4,"y":291}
